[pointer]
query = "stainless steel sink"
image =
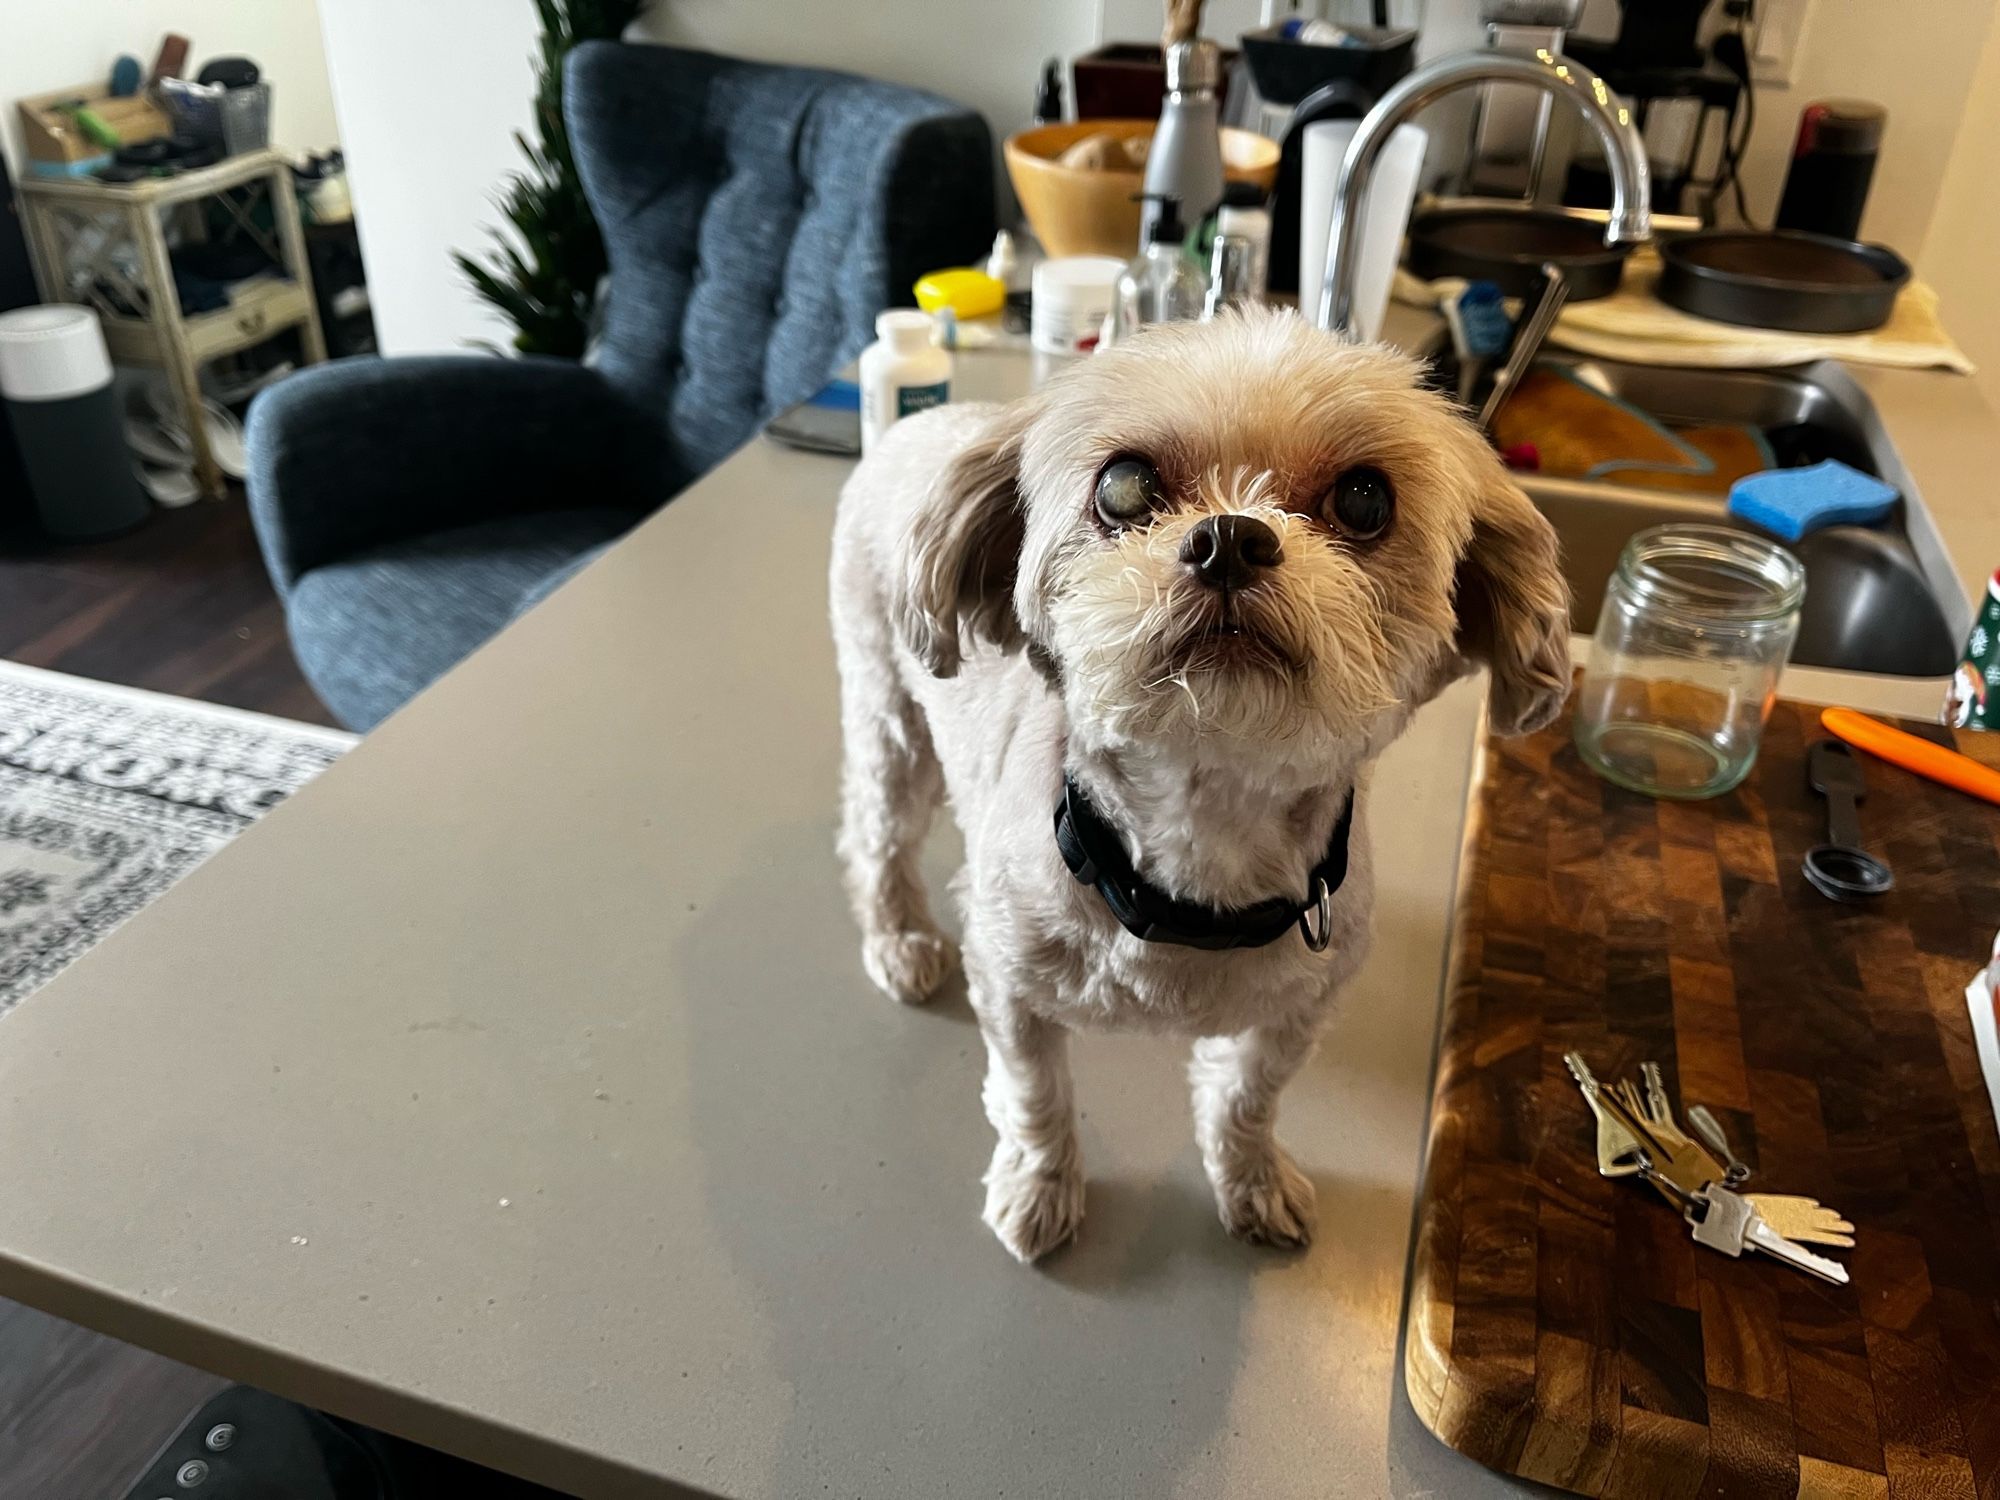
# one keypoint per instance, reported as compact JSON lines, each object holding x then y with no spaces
{"x":1878,"y":599}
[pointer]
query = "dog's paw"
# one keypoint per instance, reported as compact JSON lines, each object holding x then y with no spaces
{"x":908,"y":966}
{"x":1269,"y":1202}
{"x":1032,"y":1210}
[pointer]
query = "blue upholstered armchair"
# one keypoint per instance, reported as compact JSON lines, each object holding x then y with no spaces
{"x":757,"y":218}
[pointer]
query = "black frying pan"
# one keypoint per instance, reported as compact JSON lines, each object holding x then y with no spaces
{"x":1509,"y":247}
{"x":1781,"y":278}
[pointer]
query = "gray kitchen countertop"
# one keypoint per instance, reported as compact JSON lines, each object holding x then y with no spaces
{"x":516,"y":1088}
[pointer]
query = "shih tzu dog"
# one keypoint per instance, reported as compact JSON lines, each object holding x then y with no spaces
{"x":1148,"y":628}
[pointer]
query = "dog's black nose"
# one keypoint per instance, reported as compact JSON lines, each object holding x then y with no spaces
{"x":1226,"y":552}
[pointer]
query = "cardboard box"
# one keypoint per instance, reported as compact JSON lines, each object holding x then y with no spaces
{"x":54,"y":142}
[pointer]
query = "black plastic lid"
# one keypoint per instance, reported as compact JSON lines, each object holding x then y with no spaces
{"x":1843,"y":125}
{"x":1239,"y":194}
{"x":1167,"y":228}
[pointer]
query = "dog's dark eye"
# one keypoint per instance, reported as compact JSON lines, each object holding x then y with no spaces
{"x":1128,"y":492}
{"x":1361,"y":503}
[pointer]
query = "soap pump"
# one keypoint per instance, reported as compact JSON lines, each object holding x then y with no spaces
{"x":1162,"y":285}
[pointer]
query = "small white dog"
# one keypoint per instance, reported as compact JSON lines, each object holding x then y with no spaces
{"x":1149,"y":627}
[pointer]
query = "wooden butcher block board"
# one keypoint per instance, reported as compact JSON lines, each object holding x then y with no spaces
{"x":1562,"y":1326}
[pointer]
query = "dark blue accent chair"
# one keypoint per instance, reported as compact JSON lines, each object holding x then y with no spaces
{"x":756,"y":217}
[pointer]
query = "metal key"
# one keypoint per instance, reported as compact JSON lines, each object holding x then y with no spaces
{"x":1618,"y":1101}
{"x":1672,"y":1154}
{"x":1729,"y":1222}
{"x":1617,"y":1149}
{"x":1658,"y":1106}
{"x":1688,"y":1163}
{"x":1660,"y":1110}
{"x":1702,"y":1118}
{"x":1805,"y":1219}
{"x":1635,"y":1124}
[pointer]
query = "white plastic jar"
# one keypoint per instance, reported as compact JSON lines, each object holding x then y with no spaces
{"x":1072,"y":296}
{"x":901,"y":372}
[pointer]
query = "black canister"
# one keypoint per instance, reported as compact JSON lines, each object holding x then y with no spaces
{"x":1833,"y":161}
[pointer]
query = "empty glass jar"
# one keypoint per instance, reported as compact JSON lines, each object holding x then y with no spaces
{"x":1696,"y":625}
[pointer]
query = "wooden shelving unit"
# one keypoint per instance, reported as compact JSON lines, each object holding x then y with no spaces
{"x":104,"y":245}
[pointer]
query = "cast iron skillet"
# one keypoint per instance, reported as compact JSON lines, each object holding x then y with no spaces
{"x":1781,"y":278}
{"x":1508,"y":246}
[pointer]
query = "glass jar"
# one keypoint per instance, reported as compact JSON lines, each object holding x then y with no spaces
{"x":1696,"y":625}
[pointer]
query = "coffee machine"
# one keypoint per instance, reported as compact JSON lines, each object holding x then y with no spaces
{"x":1680,"y":90}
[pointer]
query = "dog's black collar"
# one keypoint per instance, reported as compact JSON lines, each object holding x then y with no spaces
{"x":1096,"y":857}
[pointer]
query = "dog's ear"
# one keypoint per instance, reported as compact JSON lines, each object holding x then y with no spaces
{"x":1513,"y":606}
{"x":964,"y":547}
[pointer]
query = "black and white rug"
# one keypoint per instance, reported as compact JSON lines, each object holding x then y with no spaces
{"x":109,"y":795}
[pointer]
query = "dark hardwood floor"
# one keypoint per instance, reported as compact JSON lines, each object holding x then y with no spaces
{"x":80,"y":1414}
{"x":181,"y":605}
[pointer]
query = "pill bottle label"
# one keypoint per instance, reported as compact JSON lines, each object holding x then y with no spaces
{"x":915,"y":398}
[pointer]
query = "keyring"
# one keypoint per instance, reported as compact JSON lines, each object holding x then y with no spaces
{"x":1322,"y":907}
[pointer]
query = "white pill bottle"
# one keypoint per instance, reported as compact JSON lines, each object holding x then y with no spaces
{"x":901,"y":372}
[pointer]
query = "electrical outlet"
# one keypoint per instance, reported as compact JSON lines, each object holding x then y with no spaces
{"x":1775,"y":48}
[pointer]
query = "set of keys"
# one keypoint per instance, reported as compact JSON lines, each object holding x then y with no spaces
{"x":1638,"y":1134}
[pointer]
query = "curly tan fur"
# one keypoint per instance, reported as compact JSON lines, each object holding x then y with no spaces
{"x":993,"y":633}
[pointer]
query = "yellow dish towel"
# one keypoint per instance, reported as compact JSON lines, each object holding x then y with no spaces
{"x":1635,"y":326}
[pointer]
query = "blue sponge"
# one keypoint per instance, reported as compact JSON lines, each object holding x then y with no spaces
{"x":1790,"y":502}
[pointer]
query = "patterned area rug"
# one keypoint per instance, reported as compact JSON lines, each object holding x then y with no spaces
{"x":109,"y":795}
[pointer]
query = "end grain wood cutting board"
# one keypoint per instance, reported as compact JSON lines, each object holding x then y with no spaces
{"x":1563,"y":1326}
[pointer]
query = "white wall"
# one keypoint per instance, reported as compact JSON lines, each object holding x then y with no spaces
{"x":1958,"y":256}
{"x":430,"y":93}
{"x":1914,"y":57}
{"x":47,"y":45}
{"x":984,"y":53}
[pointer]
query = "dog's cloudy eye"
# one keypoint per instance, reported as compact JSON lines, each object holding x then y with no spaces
{"x":1127,"y":492}
{"x":1361,"y":502}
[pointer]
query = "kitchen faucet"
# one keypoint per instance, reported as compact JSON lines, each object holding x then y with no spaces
{"x":1624,"y":153}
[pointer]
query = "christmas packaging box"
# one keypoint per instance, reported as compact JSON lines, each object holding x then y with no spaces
{"x":1973,"y":699}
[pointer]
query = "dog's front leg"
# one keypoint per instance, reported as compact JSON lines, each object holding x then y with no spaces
{"x":1259,"y":1190}
{"x":1034,"y":1187}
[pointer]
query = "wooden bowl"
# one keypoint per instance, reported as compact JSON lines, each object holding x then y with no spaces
{"x":1078,"y":211}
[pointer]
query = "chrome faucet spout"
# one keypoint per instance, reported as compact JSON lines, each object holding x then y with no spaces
{"x":1624,"y":153}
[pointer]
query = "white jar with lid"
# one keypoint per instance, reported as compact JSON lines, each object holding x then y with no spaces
{"x":1073,"y":293}
{"x":901,"y":372}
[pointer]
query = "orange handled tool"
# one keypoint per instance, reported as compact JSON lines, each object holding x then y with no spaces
{"x":1960,"y":772}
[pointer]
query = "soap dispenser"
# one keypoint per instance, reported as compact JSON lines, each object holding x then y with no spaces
{"x":1162,"y":285}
